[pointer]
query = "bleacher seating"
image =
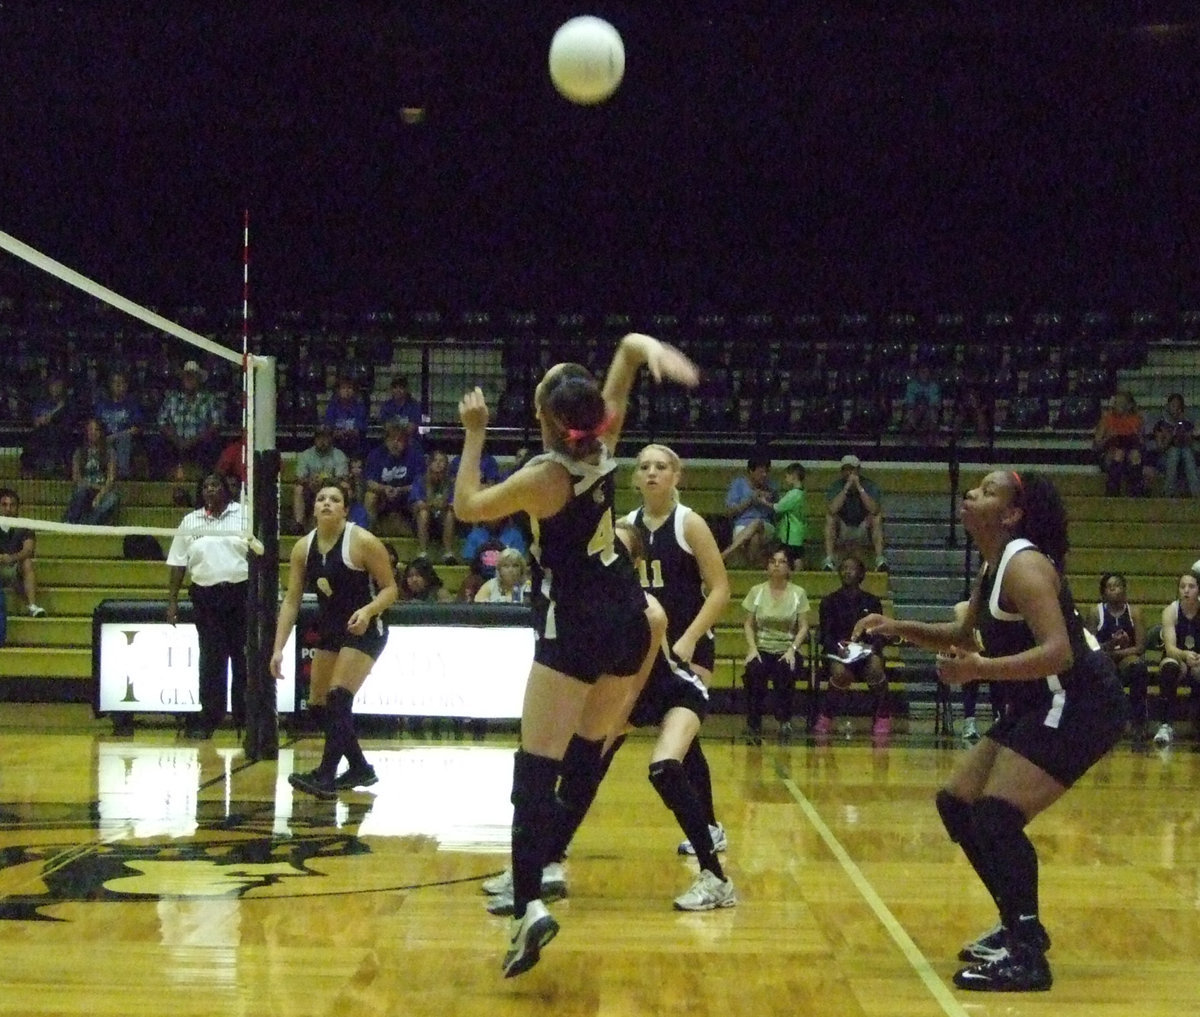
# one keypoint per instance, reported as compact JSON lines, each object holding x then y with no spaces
{"x":50,"y":658}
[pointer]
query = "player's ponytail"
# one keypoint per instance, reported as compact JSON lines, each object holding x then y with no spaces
{"x":575,"y":407}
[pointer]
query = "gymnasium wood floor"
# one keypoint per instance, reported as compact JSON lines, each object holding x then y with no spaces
{"x":150,"y":876}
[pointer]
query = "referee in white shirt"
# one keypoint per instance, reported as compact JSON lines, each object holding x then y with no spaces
{"x":216,"y":564}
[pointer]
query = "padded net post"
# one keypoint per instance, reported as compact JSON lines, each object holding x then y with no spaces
{"x":262,"y":720}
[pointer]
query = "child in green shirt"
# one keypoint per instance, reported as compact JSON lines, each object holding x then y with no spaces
{"x":791,"y":525}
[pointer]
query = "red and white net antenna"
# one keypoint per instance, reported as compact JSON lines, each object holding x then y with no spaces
{"x":247,"y":370}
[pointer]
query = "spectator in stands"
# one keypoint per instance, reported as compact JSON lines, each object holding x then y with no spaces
{"x":421,"y":582}
{"x":17,"y":550}
{"x":400,"y":405}
{"x":1173,"y":438}
{"x":791,"y":515}
{"x":922,"y":404}
{"x":510,"y":584}
{"x":391,"y":470}
{"x":94,"y":498}
{"x":212,"y":552}
{"x":970,"y":690}
{"x":123,"y":420}
{"x":750,"y":505}
{"x":52,"y":432}
{"x":973,"y":410}
{"x":853,"y":514}
{"x":318,"y":465}
{"x":1118,"y":442}
{"x":839,"y":612}
{"x":231,"y":463}
{"x":188,"y":424}
{"x":356,"y":488}
{"x":1181,"y":652}
{"x":346,"y":414}
{"x":489,"y":469}
{"x":520,"y":458}
{"x":432,"y":504}
{"x":484,"y":542}
{"x":776,"y":628}
{"x":1117,"y":625}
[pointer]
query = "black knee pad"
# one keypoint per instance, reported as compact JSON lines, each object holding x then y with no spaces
{"x":582,"y":769}
{"x":955,"y":813}
{"x":533,"y":778}
{"x":666,"y":776}
{"x":995,"y":820}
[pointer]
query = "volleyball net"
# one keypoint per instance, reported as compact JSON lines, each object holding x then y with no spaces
{"x":114,"y":414}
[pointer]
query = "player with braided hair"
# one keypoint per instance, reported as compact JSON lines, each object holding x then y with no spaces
{"x":1065,"y":708}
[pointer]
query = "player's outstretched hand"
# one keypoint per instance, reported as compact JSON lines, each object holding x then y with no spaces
{"x":666,"y":362}
{"x":473,"y":410}
{"x":874,"y":625}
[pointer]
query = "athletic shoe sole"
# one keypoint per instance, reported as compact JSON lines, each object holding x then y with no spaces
{"x":301,"y":782}
{"x":517,"y":962}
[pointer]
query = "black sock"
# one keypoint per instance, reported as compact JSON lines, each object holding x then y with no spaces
{"x":331,"y":752}
{"x":582,"y":770}
{"x":535,"y":814}
{"x":999,"y":830}
{"x":341,"y":721}
{"x":695,"y":765}
{"x":957,"y":818}
{"x":680,"y":797}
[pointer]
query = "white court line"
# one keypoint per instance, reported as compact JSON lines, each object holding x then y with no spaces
{"x":937,"y":988}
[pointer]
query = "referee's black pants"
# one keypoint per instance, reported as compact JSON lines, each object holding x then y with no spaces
{"x":220,"y":615}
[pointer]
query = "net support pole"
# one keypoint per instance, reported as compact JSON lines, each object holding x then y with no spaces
{"x":262,"y":719}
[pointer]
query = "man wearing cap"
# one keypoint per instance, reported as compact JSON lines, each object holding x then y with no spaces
{"x":188,"y":424}
{"x":853,"y":514}
{"x":316,"y":466}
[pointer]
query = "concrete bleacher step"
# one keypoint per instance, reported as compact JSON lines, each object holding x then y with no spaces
{"x":80,"y":602}
{"x":73,"y":631}
{"x":46,"y":662}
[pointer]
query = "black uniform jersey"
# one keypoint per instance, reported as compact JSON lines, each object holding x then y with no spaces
{"x":341,"y":587}
{"x":1187,"y":630}
{"x":1004,"y":633}
{"x":1111,"y":624}
{"x":585,"y":590}
{"x":668,"y":570}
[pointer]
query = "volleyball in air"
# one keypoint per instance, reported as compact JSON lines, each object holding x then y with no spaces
{"x":587,"y":60}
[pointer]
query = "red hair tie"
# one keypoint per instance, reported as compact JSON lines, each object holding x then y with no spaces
{"x":579,"y":433}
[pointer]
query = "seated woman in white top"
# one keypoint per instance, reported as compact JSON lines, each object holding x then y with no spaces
{"x":510,"y":584}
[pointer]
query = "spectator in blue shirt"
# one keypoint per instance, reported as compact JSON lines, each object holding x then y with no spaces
{"x":122,"y":418}
{"x":433,"y":506}
{"x":750,"y":505}
{"x":484,"y":542}
{"x":391,"y":470}
{"x":489,"y":469}
{"x":346,"y":413}
{"x":400,"y":405}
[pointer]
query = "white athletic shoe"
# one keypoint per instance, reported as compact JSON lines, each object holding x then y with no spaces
{"x":719,"y":840}
{"x":1164,"y":735}
{"x":970,"y":733}
{"x":527,"y":937}
{"x":554,"y":884}
{"x":707,"y":893}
